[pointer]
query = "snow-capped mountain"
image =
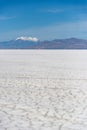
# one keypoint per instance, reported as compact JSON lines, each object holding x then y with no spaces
{"x":34,"y":43}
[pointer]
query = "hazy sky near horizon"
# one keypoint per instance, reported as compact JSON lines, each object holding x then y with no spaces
{"x":44,"y":19}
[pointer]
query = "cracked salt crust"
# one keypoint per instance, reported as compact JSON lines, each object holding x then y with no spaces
{"x":43,"y":90}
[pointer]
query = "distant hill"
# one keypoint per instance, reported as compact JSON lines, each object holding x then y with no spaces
{"x":71,"y":43}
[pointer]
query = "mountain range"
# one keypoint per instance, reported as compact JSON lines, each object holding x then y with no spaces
{"x":70,"y":43}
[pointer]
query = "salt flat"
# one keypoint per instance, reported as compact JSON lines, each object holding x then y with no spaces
{"x":43,"y":90}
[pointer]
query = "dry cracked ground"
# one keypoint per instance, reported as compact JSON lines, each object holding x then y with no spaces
{"x":43,"y":90}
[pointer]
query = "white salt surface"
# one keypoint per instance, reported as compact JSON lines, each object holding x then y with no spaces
{"x":43,"y":90}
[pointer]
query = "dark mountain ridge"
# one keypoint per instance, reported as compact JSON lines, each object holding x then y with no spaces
{"x":71,"y":43}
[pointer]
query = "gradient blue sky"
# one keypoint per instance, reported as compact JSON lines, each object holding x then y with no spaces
{"x":44,"y":19}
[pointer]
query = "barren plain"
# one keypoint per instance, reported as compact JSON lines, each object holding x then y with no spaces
{"x":43,"y":90}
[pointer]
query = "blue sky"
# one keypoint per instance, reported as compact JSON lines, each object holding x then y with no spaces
{"x":44,"y":19}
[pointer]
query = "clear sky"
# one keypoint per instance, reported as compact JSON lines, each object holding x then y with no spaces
{"x":44,"y":19}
